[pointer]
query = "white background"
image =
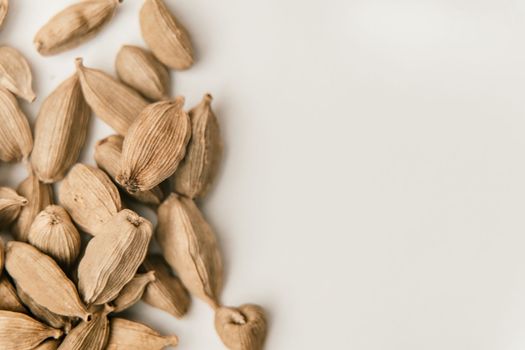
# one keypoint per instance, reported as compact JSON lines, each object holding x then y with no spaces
{"x":373,"y":189}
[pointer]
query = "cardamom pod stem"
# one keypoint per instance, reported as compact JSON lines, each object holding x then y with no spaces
{"x":242,"y":328}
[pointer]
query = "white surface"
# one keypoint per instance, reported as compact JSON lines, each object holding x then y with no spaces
{"x":372,"y":195}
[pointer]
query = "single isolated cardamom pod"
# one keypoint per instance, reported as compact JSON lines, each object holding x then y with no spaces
{"x":129,"y":335}
{"x":54,"y":234}
{"x":16,"y":141}
{"x":113,"y":257}
{"x":60,"y":131}
{"x":74,"y":25}
{"x":115,"y":103}
{"x":142,"y":71}
{"x":51,"y":344}
{"x":90,"y":197}
{"x":165,"y":35}
{"x":9,"y":300}
{"x":189,"y":245}
{"x":15,"y":73}
{"x":21,"y":332}
{"x":4,"y":8}
{"x":10,"y":205}
{"x":133,"y":291}
{"x":89,"y":335}
{"x":242,"y":328}
{"x":39,"y":276}
{"x":155,"y":145}
{"x":196,"y":172}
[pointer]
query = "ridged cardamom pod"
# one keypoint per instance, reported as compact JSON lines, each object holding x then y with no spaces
{"x":166,"y":292}
{"x":165,"y":35}
{"x":133,"y":291}
{"x":54,"y":234}
{"x":242,"y":328}
{"x":16,"y":141}
{"x":189,"y":245}
{"x":15,"y":73}
{"x":196,"y":172}
{"x":113,"y":257}
{"x":128,"y":335}
{"x":108,"y":155}
{"x":113,"y":102}
{"x":51,"y":344}
{"x":43,"y":281}
{"x":60,"y":131}
{"x":89,"y":335}
{"x":4,"y":8}
{"x":9,"y":300}
{"x":142,"y":71}
{"x":21,"y":332}
{"x":10,"y":205}
{"x":155,"y":145}
{"x":90,"y":197}
{"x":74,"y":25}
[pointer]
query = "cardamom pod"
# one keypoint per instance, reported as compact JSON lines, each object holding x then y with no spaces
{"x":113,"y":257}
{"x":21,"y":332}
{"x":16,"y":141}
{"x":242,"y":328}
{"x":74,"y":25}
{"x":89,"y":335}
{"x":54,"y":234}
{"x":113,"y":102}
{"x":90,"y":197}
{"x":9,"y":300}
{"x":15,"y":73}
{"x":128,"y":335}
{"x":60,"y":131}
{"x":10,"y":205}
{"x":108,"y":155}
{"x":165,"y":35}
{"x":133,"y":291}
{"x":142,"y":71}
{"x":39,"y":276}
{"x":154,"y":145}
{"x":4,"y":8}
{"x":51,"y":344}
{"x":166,"y":292}
{"x":190,"y":247}
{"x":196,"y":172}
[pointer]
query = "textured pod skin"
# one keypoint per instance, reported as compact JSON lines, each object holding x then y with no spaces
{"x":10,"y":206}
{"x":133,"y":291}
{"x":15,"y":73}
{"x":21,"y":332}
{"x":16,"y":141}
{"x":89,"y":335}
{"x":4,"y":8}
{"x":128,"y":335}
{"x":51,"y":344}
{"x":9,"y":300}
{"x":242,"y":328}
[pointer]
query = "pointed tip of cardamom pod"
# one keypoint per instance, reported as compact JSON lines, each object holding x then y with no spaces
{"x":88,"y":316}
{"x":172,"y":340}
{"x":79,"y":63}
{"x":57,"y":333}
{"x":130,"y":184}
{"x":29,"y":96}
{"x":151,"y":276}
{"x":207,"y":98}
{"x":133,"y":218}
{"x":38,"y":45}
{"x":179,"y":101}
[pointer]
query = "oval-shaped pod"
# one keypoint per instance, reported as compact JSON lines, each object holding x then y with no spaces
{"x":21,"y":332}
{"x":15,"y":73}
{"x":129,"y":335}
{"x":16,"y":140}
{"x":11,"y":203}
{"x":133,"y":291}
{"x":242,"y":328}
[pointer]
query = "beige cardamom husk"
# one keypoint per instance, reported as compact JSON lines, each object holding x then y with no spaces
{"x":242,"y":328}
{"x":21,"y":332}
{"x":54,"y":233}
{"x":15,"y":73}
{"x":90,"y":197}
{"x":4,"y":8}
{"x":189,"y":245}
{"x":89,"y":335}
{"x":74,"y":25}
{"x":113,"y":257}
{"x":115,"y":103}
{"x":133,"y":291}
{"x":16,"y":141}
{"x":60,"y":131}
{"x":39,"y":276}
{"x":141,"y":70}
{"x":155,"y":145}
{"x":9,"y":300}
{"x":129,"y":335}
{"x":51,"y":344}
{"x":165,"y":35}
{"x":11,"y":203}
{"x":197,"y":171}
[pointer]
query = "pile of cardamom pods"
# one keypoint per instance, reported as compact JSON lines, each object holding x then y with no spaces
{"x":60,"y":290}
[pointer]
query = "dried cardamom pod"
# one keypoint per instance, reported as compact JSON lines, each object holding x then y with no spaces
{"x":154,"y":146}
{"x":51,"y":344}
{"x":74,"y":25}
{"x":190,"y":247}
{"x":115,"y":103}
{"x":54,"y":234}
{"x":166,"y":292}
{"x":15,"y":73}
{"x":60,"y":131}
{"x":21,"y":332}
{"x":10,"y":205}
{"x":108,"y":155}
{"x":4,"y":8}
{"x":16,"y":141}
{"x":128,"y":335}
{"x":90,"y":197}
{"x":242,"y":328}
{"x":113,"y":257}
{"x":133,"y":291}
{"x":39,"y":276}
{"x":9,"y":300}
{"x":196,"y":172}
{"x":165,"y":35}
{"x":89,"y":335}
{"x":142,"y":71}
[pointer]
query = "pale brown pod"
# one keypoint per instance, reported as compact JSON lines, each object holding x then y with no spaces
{"x":10,"y":205}
{"x":9,"y":300}
{"x":115,"y":103}
{"x":89,"y":335}
{"x":74,"y":25}
{"x":129,"y":335}
{"x":16,"y":141}
{"x":242,"y":328}
{"x":51,"y":344}
{"x":189,"y":245}
{"x":21,"y":332}
{"x":165,"y":35}
{"x":60,"y":131}
{"x":90,"y":197}
{"x":4,"y":8}
{"x":15,"y":73}
{"x":155,"y":145}
{"x":133,"y":291}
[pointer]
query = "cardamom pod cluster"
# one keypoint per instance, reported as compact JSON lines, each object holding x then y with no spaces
{"x":15,"y":73}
